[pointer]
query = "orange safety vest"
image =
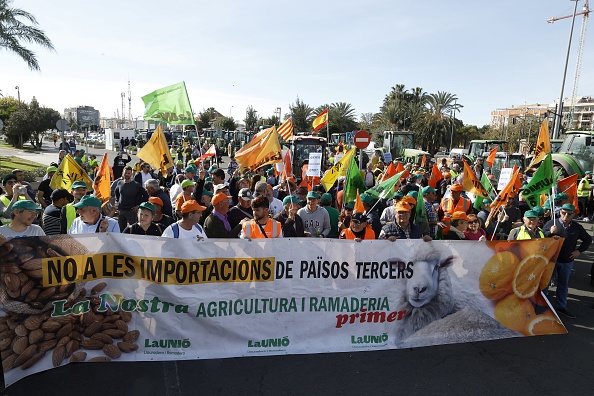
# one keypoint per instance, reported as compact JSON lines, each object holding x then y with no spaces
{"x":447,"y":205}
{"x":349,"y":234}
{"x":272,"y":229}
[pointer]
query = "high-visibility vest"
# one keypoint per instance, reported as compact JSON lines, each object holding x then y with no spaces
{"x":584,"y":188}
{"x":349,"y":234}
{"x":6,"y":202}
{"x":252,"y":230}
{"x":523,"y":234}
{"x":70,"y":216}
{"x":447,"y":205}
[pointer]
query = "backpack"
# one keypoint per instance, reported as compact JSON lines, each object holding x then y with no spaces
{"x":175,"y":228}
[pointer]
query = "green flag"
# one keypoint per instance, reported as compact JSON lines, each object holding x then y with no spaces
{"x":478,"y":202}
{"x":420,"y":211}
{"x":386,"y":188}
{"x":354,"y":182}
{"x":169,"y":104}
{"x":541,"y":182}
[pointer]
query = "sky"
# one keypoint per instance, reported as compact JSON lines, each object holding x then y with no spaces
{"x":233,"y":54}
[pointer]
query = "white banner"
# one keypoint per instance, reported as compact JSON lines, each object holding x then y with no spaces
{"x":314,"y":164}
{"x":124,"y":297}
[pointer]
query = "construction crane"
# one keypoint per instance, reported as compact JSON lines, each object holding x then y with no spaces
{"x":578,"y":66}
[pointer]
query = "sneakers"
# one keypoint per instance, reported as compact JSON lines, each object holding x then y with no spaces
{"x":566,"y":312}
{"x":587,"y":219}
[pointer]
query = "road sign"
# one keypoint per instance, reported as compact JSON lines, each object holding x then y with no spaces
{"x":362,"y":139}
{"x":350,"y":136}
{"x":62,"y":125}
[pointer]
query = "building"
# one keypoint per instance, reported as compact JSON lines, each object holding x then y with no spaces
{"x":581,"y":118}
{"x":83,"y":115}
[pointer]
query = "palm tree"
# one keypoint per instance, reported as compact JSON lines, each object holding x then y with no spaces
{"x":13,"y":33}
{"x":435,"y":128}
{"x":302,"y":115}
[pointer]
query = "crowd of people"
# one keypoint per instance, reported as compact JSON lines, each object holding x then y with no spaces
{"x":205,"y":201}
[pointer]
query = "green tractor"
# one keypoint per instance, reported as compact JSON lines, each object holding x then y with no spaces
{"x":576,"y":154}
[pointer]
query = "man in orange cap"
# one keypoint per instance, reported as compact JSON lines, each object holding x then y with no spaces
{"x":402,"y":228}
{"x":455,"y":203}
{"x":187,"y":227}
{"x":160,"y":218}
{"x":216,"y":224}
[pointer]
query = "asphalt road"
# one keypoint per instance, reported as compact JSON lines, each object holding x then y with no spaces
{"x":544,"y":365}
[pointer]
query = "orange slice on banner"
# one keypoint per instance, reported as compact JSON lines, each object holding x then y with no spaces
{"x":495,"y":281}
{"x":515,"y":313}
{"x":528,"y":274}
{"x":545,"y":324}
{"x":546,"y":276}
{"x":543,"y":247}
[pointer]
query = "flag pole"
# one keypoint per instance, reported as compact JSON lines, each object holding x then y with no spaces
{"x":193,"y":118}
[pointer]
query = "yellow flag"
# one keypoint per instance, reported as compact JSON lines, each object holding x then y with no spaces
{"x":543,"y":144}
{"x":101,"y":184}
{"x":264,"y":149}
{"x":156,"y":152}
{"x":339,"y":169}
{"x":68,"y":172}
{"x":472,"y":184}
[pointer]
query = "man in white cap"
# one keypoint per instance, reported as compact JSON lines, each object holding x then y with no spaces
{"x":243,"y":210}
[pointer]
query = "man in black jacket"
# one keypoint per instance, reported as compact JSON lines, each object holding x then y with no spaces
{"x":572,"y":231}
{"x":217,"y":224}
{"x":292,"y":223}
{"x":243,"y":209}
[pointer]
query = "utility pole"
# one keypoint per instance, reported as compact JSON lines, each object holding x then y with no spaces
{"x":129,"y":103}
{"x":123,"y":109}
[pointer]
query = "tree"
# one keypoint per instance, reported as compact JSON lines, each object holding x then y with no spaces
{"x":29,"y":122}
{"x":14,"y":33}
{"x":366,"y":121}
{"x":8,"y":105}
{"x":436,"y":125}
{"x":302,"y":116}
{"x":251,"y":119}
{"x":226,"y":123}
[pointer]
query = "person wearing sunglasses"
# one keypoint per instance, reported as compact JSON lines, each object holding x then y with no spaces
{"x":14,"y":192}
{"x":475,"y":232}
{"x":564,"y":226}
{"x":359,"y":229}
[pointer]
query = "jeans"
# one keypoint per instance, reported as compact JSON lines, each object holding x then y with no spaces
{"x":563,"y":271}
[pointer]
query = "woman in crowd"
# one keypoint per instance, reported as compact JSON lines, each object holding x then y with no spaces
{"x":475,"y":232}
{"x":145,"y":225}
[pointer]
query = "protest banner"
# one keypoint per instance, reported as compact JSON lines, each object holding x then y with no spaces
{"x":121,"y":297}
{"x":315,"y":164}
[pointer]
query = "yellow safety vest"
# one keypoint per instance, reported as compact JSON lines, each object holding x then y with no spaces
{"x":6,"y":202}
{"x":583,"y":188}
{"x":523,"y":234}
{"x":70,"y":216}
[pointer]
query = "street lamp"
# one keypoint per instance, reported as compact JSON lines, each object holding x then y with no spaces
{"x":230,"y":110}
{"x":18,"y":94}
{"x":559,"y":113}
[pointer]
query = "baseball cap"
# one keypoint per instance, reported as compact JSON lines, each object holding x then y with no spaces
{"x":212,"y":168}
{"x":78,"y":184}
{"x":568,"y":207}
{"x":409,"y":200}
{"x":360,"y":217}
{"x":50,"y":169}
{"x":207,"y":192}
{"x":88,"y":200}
{"x":539,"y":210}
{"x":456,"y":187}
{"x":290,"y":199}
{"x":190,"y":206}
{"x":428,"y":190}
{"x":60,"y":193}
{"x":147,"y":205}
{"x":486,"y":201}
{"x":25,"y":204}
{"x":414,"y":194}
{"x":313,"y":194}
{"x":326,"y":198}
{"x":588,"y":172}
{"x":398,"y":194}
{"x":219,"y":187}
{"x":530,"y":214}
{"x":179,"y":162}
{"x":460,"y":215}
{"x":191,"y":168}
{"x":156,"y":201}
{"x":219,"y":197}
{"x":350,"y":205}
{"x":187,"y":183}
{"x":10,"y":176}
{"x":366,"y":198}
{"x":402,"y":207}
{"x":246,"y":194}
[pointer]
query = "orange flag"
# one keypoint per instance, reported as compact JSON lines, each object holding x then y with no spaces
{"x":472,"y":184}
{"x":568,"y":185}
{"x":262,"y":150}
{"x":359,"y":208}
{"x":400,"y":168}
{"x":543,"y":144}
{"x":436,"y":176}
{"x":501,"y":199}
{"x":102,"y":181}
{"x":288,"y":168}
{"x":390,"y":171}
{"x":491,"y":157}
{"x":424,"y":161}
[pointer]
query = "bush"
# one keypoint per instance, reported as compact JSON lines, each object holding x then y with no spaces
{"x":30,"y":175}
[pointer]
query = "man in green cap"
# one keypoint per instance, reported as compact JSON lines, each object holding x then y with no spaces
{"x":290,"y":220}
{"x":14,"y":192}
{"x":68,"y":212}
{"x":90,"y":219}
{"x":564,"y":226}
{"x":326,"y":202}
{"x":529,"y":230}
{"x":23,"y":214}
{"x":316,"y":220}
{"x":584,"y":192}
{"x":145,"y":225}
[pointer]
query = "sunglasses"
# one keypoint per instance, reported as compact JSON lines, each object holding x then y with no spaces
{"x":473,"y":222}
{"x":566,"y":213}
{"x":356,"y":221}
{"x":11,"y":182}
